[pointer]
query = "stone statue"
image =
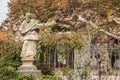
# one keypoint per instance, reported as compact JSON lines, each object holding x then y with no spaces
{"x":29,"y":29}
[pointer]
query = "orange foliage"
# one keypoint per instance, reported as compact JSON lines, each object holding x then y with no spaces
{"x":3,"y":36}
{"x":5,"y":40}
{"x":43,"y":9}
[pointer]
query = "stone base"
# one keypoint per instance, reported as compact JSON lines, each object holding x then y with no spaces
{"x":27,"y":67}
{"x":35,"y":73}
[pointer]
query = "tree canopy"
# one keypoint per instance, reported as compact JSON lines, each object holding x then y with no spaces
{"x":45,"y":9}
{"x":99,"y":11}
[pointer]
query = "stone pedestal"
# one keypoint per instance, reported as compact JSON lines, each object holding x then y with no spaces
{"x":27,"y":65}
{"x":27,"y":68}
{"x":35,"y":73}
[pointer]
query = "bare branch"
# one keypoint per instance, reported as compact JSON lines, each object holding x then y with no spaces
{"x":97,"y":27}
{"x":63,"y":25}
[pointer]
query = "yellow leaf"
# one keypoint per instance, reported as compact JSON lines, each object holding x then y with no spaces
{"x":109,"y":14}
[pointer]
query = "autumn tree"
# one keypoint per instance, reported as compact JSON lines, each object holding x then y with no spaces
{"x":85,"y":16}
{"x":43,"y":9}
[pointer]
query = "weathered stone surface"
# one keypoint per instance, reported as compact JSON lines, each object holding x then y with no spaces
{"x":27,"y":65}
{"x":35,"y":73}
{"x":29,"y":29}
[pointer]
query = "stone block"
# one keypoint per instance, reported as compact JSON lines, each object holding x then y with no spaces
{"x":35,"y":73}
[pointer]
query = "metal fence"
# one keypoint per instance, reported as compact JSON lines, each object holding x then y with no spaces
{"x":88,"y":62}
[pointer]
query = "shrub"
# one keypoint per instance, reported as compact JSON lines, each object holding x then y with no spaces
{"x":10,"y":60}
{"x":49,"y":77}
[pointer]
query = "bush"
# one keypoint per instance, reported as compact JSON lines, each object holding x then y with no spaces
{"x":49,"y":77}
{"x":10,"y":60}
